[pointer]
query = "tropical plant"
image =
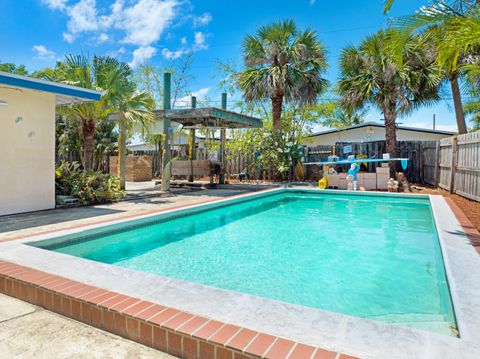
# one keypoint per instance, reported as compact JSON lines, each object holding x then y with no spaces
{"x":275,"y":153}
{"x":69,"y":145}
{"x":282,"y":64}
{"x":472,"y":108}
{"x":453,"y":28}
{"x":372,"y":74}
{"x":13,"y":68}
{"x":342,"y":117}
{"x":132,"y":110}
{"x":79,"y":70}
{"x":88,"y":186}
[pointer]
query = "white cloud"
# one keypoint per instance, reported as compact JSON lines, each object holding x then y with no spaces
{"x":141,"y":55}
{"x":172,"y":55}
{"x":142,"y":23}
{"x":68,"y":37}
{"x":198,"y":44}
{"x":55,"y":4}
{"x":42,"y":53}
{"x":199,"y":94}
{"x":103,"y":37}
{"x":83,"y":18}
{"x":202,"y":20}
{"x":200,"y":41}
{"x":145,"y":21}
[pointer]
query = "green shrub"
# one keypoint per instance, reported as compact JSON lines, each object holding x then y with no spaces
{"x":89,"y":187}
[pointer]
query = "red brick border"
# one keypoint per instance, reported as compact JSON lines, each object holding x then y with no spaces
{"x":167,"y":329}
{"x":469,"y":229}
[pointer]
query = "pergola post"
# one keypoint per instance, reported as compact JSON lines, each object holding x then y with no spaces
{"x":166,"y":170}
{"x":191,"y":143}
{"x":223,"y":139}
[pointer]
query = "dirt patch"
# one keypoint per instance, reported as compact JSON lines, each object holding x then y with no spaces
{"x":470,"y":208}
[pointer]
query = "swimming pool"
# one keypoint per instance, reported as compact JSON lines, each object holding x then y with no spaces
{"x":373,"y":257}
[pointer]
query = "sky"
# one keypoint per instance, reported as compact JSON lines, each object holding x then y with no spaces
{"x":39,"y":32}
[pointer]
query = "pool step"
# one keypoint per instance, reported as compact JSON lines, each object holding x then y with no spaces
{"x":429,"y":322}
{"x":409,"y":318}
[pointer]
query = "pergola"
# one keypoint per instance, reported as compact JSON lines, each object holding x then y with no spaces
{"x":208,"y":117}
{"x":197,"y":118}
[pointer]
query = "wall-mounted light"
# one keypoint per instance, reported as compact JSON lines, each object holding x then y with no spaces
{"x":3,"y":103}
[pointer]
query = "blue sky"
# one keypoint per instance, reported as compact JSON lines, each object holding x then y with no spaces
{"x":37,"y":32}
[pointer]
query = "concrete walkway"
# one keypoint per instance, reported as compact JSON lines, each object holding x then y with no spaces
{"x":27,"y":224}
{"x":27,"y":331}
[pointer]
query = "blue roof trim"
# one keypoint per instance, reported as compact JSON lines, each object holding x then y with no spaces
{"x":47,"y":86}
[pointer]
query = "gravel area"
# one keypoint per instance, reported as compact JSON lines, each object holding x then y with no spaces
{"x":469,"y":207}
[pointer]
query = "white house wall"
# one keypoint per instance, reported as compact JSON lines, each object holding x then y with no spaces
{"x":27,"y":151}
{"x":368,"y":134}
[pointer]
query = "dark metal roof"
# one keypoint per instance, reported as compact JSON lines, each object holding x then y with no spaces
{"x":209,"y":117}
{"x":375,"y":124}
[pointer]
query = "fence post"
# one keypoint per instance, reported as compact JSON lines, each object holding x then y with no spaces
{"x":453,"y":165}
{"x":421,"y":161}
{"x":437,"y":164}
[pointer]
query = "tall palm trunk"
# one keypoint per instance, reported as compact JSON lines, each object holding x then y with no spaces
{"x":457,"y":102}
{"x":88,"y":134}
{"x":277,"y":104}
{"x":122,"y":158}
{"x":391,"y":140}
{"x":88,"y":149}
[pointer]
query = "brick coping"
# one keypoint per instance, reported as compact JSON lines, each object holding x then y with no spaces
{"x":167,"y":329}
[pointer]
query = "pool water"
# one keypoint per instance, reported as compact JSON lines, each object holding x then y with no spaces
{"x":373,"y":257}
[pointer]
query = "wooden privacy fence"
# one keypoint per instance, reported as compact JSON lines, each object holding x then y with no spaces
{"x":452,"y":163}
{"x":413,"y":150}
{"x":429,"y":162}
{"x":458,"y":165}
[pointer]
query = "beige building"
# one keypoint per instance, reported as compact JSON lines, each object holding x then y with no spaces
{"x":27,"y":140}
{"x":372,"y":131}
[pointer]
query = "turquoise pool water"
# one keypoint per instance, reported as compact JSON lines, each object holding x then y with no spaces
{"x":366,"y":256}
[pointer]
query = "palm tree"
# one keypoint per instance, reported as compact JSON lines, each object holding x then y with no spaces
{"x":345,"y":117}
{"x":133,"y":110}
{"x":372,"y":74}
{"x":282,"y":64}
{"x":130,"y":108}
{"x":78,"y":70}
{"x":453,"y":27}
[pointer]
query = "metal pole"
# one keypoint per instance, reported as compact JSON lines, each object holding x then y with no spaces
{"x":223,"y":138}
{"x":191,"y":143}
{"x":166,"y":134}
{"x":434,"y":121}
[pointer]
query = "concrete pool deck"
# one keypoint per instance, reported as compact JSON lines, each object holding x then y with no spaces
{"x":33,"y":223}
{"x":331,"y":331}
